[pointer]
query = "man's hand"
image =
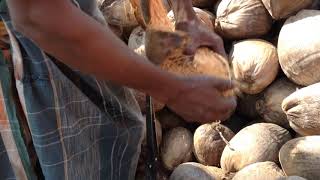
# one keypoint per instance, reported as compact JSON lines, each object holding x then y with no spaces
{"x":200,"y":100}
{"x":201,"y":36}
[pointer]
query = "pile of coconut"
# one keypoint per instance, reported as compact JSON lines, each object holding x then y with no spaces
{"x":273,"y":49}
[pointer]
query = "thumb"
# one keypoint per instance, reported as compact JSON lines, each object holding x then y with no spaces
{"x":190,"y":49}
{"x":223,"y":84}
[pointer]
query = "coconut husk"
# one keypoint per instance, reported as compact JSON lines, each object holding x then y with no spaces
{"x":208,"y":143}
{"x":240,"y":19}
{"x":299,"y":47}
{"x":196,"y":171}
{"x":255,"y":64}
{"x":176,"y":148}
{"x":256,"y":143}
{"x":302,"y":110}
{"x":301,"y":157}
{"x":260,"y":171}
{"x":269,"y":106}
{"x":279,"y":9}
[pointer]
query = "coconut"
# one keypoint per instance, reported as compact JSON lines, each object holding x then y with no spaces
{"x":247,"y":105}
{"x":206,"y":17}
{"x":196,"y":171}
{"x":269,"y":106}
{"x":301,"y":157}
{"x":256,"y":143}
{"x":279,"y":9}
{"x":239,"y":19}
{"x":119,"y":13}
{"x":169,"y":119}
{"x":261,"y":170}
{"x":299,"y":47}
{"x":302,"y":110}
{"x":208,"y":144}
{"x":176,"y":147}
{"x":254,"y":69}
{"x":137,"y":41}
{"x":292,"y":178}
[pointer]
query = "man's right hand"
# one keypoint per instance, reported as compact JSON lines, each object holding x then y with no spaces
{"x":200,"y":99}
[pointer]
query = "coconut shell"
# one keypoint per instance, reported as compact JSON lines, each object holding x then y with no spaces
{"x":302,"y":110}
{"x":206,"y":17}
{"x":256,"y":143}
{"x":119,"y":13}
{"x":260,"y":171}
{"x":269,"y":106}
{"x":279,"y":9}
{"x":299,"y":47}
{"x":196,"y":171}
{"x":247,"y":105}
{"x":301,"y":157}
{"x":208,"y":144}
{"x":239,"y":19}
{"x":176,"y":148}
{"x":169,"y":119}
{"x":255,"y":64}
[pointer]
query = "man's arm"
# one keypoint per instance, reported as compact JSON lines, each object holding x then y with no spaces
{"x":70,"y":35}
{"x":64,"y":31}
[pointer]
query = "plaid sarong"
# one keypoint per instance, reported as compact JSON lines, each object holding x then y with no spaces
{"x":79,"y":127}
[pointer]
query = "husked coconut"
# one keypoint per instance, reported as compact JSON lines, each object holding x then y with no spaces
{"x":206,"y":17}
{"x":301,"y":157}
{"x":255,"y":64}
{"x":299,"y":47}
{"x":256,"y":143}
{"x":169,"y":119}
{"x":176,"y":147}
{"x":120,"y":13}
{"x":215,"y":8}
{"x":260,"y":171}
{"x":240,"y":19}
{"x":196,"y":171}
{"x":279,"y":9}
{"x":292,"y":178}
{"x":137,"y":41}
{"x":247,"y":105}
{"x":269,"y":106}
{"x":208,"y":144}
{"x":302,"y":110}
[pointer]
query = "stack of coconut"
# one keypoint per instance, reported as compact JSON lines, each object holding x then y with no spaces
{"x":274,"y":56}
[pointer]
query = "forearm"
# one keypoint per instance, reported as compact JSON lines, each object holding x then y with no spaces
{"x":78,"y":41}
{"x":183,"y":10}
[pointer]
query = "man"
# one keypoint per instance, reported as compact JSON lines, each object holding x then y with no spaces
{"x":65,"y":112}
